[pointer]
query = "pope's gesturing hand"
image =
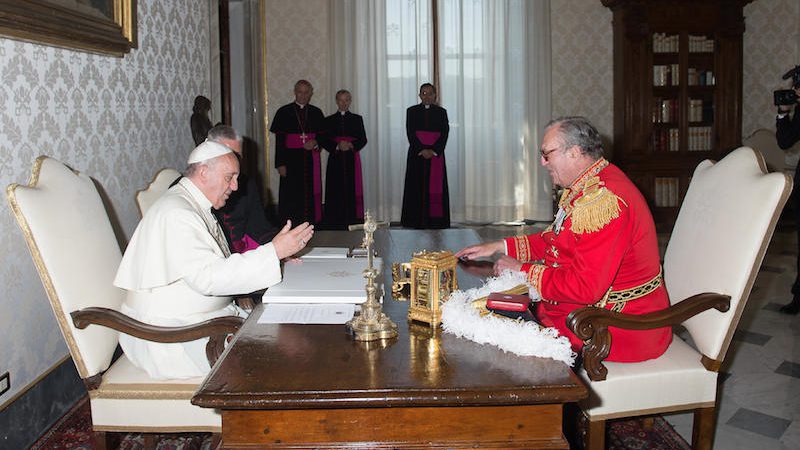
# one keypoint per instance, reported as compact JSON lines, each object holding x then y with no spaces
{"x":291,"y":240}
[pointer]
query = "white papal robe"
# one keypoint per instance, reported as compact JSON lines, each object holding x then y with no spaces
{"x":178,"y":270}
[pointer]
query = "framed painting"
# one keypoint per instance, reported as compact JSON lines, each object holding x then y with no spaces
{"x":98,"y":26}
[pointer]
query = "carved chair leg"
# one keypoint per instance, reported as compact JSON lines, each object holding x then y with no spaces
{"x":704,"y":427}
{"x":99,"y":438}
{"x":595,"y":435}
{"x":150,"y":440}
{"x":103,"y":440}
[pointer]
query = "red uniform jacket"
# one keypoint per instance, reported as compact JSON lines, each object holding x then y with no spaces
{"x":603,"y":239}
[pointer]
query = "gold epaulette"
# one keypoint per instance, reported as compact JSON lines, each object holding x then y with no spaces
{"x":595,"y":209}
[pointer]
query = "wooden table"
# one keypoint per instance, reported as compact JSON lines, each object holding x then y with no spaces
{"x":313,"y":386}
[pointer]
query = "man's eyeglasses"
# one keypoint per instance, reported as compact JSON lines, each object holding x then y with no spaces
{"x":546,"y":153}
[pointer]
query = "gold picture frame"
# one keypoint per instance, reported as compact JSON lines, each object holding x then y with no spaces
{"x":105,"y":27}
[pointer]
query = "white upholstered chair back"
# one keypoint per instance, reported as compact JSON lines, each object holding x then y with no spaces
{"x":719,"y":240}
{"x":75,"y":252}
{"x":147,"y":196}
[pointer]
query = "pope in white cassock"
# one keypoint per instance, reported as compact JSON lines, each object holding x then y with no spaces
{"x":178,"y":269}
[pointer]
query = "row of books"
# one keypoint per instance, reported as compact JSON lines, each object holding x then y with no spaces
{"x":670,"y":43}
{"x":668,"y":139}
{"x":700,"y":77}
{"x":664,"y":43}
{"x":665,"y":140}
{"x":666,"y":75}
{"x":699,"y":139}
{"x":700,"y":44}
{"x":665,"y":110}
{"x":701,"y":110}
{"x":667,"y":192}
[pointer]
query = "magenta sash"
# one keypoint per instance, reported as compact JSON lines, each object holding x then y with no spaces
{"x":294,"y":140}
{"x":436,"y":180}
{"x":358,"y":181}
{"x":245,"y":244}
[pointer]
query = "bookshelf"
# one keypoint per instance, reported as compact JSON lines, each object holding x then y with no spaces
{"x":677,"y":92}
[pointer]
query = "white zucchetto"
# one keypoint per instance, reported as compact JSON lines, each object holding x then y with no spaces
{"x":207,"y":150}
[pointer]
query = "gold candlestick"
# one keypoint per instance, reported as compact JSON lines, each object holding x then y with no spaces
{"x":371,"y":324}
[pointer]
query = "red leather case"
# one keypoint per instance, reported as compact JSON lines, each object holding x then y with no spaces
{"x":508,"y":302}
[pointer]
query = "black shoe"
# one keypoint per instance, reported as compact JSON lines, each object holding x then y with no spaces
{"x":792,"y":307}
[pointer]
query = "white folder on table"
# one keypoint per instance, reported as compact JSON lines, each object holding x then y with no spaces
{"x":327,"y":252}
{"x":322,"y":280}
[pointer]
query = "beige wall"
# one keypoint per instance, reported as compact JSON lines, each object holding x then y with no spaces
{"x":297,"y":48}
{"x":116,"y":119}
{"x":583,"y":75}
{"x":771,"y":47}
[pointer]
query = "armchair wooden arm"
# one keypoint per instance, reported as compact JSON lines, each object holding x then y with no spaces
{"x":216,"y":329}
{"x":591,"y":324}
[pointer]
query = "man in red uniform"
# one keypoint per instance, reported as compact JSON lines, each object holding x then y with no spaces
{"x":601,"y":250}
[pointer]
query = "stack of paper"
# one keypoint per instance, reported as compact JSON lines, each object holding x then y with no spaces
{"x":307,"y":314}
{"x":322,"y":280}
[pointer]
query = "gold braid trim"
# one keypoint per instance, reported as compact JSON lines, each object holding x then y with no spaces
{"x":618,"y":299}
{"x":521,"y":247}
{"x":535,"y":276}
{"x":595,"y":209}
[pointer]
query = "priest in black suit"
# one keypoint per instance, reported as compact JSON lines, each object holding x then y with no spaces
{"x":297,"y":127}
{"x":426,"y":202}
{"x":344,"y":192}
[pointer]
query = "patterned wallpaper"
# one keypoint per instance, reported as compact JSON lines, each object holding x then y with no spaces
{"x":583,"y":75}
{"x":116,"y":119}
{"x":771,"y":47}
{"x":298,"y":47}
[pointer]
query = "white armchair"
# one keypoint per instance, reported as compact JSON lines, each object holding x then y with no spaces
{"x":147,"y":196}
{"x":76,"y":254}
{"x":721,"y":234}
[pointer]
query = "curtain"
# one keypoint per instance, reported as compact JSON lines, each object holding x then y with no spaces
{"x":494,"y":70}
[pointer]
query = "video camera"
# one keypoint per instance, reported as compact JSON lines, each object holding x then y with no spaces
{"x":788,"y":96}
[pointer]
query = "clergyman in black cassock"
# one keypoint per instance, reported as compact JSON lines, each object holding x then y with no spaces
{"x":297,"y":126}
{"x":344,"y":190}
{"x":426,"y":202}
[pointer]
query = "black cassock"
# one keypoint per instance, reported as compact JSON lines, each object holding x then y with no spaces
{"x":243,"y":218}
{"x":426,"y":202}
{"x":344,"y":192}
{"x":300,"y":192}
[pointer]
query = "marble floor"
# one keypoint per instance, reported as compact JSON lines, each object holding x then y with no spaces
{"x":759,"y":403}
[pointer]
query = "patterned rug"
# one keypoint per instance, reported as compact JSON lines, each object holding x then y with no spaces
{"x":629,"y":435}
{"x":74,"y":432}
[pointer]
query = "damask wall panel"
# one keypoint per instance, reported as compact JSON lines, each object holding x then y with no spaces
{"x":771,"y":47}
{"x":118,"y":120}
{"x":297,"y":48}
{"x":583,"y":75}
